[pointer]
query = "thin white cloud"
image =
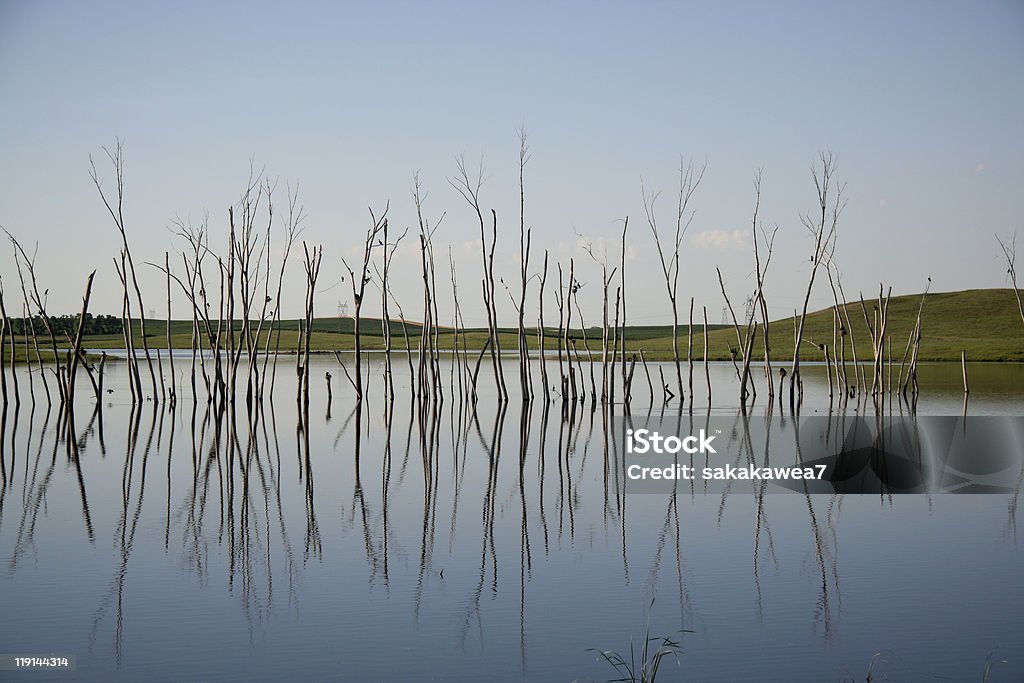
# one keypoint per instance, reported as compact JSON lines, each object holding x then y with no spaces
{"x":722,"y":239}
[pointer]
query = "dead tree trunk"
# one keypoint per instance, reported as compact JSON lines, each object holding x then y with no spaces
{"x":586,"y":346}
{"x":615,"y":345}
{"x":170,"y":350}
{"x":3,"y":345}
{"x":358,"y":284}
{"x":385,"y":290}
{"x":524,"y":263}
{"x":560,"y":298}
{"x":607,"y":376}
{"x":707,"y":370}
{"x":470,"y":191}
{"x":311,"y":265}
{"x":75,"y":354}
{"x":1010,"y":254}
{"x":822,"y":227}
{"x":9,"y":331}
{"x":573,"y":287}
{"x":117,"y":213}
{"x":32,"y":298}
{"x":689,"y":180}
{"x":627,"y":379}
{"x":293,"y":223}
{"x":540,"y":331}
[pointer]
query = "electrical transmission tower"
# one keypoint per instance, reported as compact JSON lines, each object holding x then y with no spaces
{"x":748,"y":308}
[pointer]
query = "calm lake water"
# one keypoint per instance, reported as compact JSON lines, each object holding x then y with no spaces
{"x":495,"y":548}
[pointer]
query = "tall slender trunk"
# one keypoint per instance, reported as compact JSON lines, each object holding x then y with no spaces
{"x":540,"y":331}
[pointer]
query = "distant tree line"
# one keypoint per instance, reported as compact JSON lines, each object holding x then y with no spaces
{"x":67,"y":325}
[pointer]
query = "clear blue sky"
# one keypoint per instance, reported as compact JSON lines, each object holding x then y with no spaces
{"x":921,"y":101}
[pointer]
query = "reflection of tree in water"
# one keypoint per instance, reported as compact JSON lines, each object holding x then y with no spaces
{"x":223,"y":501}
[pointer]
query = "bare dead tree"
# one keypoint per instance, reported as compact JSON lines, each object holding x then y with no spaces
{"x":524,"y":264}
{"x":840,"y":332}
{"x":405,"y":335}
{"x":28,"y":357}
{"x":195,"y":236}
{"x":888,"y":343}
{"x":912,"y":372}
{"x":311,"y":264}
{"x":1010,"y":255}
{"x":248,"y":245}
{"x":28,"y":332}
{"x":619,"y":303}
{"x":32,"y":298}
{"x":9,"y":331}
{"x":387,"y":254}
{"x":689,"y":355}
{"x":358,"y":283}
{"x":116,"y":211}
{"x":759,"y":298}
{"x":438,"y":389}
{"x":606,"y":280}
{"x":458,"y":350}
{"x":560,"y":298}
{"x":760,"y":269}
{"x":963,"y":368}
{"x":540,"y":331}
{"x":913,"y":344}
{"x":385,"y":316}
{"x":573,"y":287}
{"x":460,"y":331}
{"x":707,"y":370}
{"x":586,"y":346}
{"x":3,"y":344}
{"x":734,"y":351}
{"x":330,"y":394}
{"x":194,"y":287}
{"x":256,"y":372}
{"x":877,"y":328}
{"x":292,"y":227}
{"x":860,"y":378}
{"x":429,"y":367}
{"x":74,"y":357}
{"x":689,"y":181}
{"x":822,"y":226}
{"x":170,"y":352}
{"x":127,"y":328}
{"x":626,"y":377}
{"x":469,"y":188}
{"x":75,"y":354}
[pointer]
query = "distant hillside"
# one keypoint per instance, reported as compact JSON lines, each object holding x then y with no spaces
{"x":984,"y":322}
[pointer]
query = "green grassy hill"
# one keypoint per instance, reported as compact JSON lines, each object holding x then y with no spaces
{"x":983,"y":322}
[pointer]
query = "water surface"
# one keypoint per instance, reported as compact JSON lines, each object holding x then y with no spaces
{"x":490,"y":547}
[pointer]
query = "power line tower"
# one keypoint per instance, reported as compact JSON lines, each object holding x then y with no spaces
{"x":725,"y":315}
{"x":342,"y":309}
{"x":748,"y":307}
